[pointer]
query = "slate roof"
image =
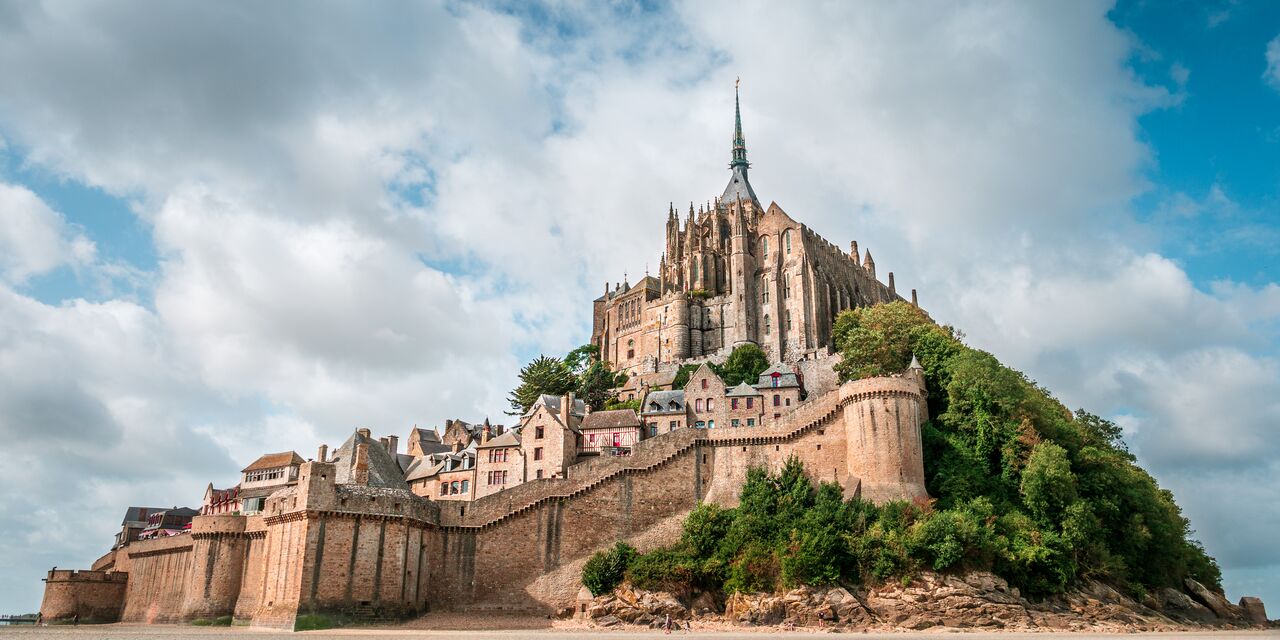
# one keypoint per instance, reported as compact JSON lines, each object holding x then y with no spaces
{"x":507,"y":439}
{"x":664,"y":400}
{"x":615,"y":419}
{"x":787,"y":378}
{"x":138,"y":515}
{"x":384,"y":471}
{"x":435,"y":464}
{"x":553,"y":403}
{"x":742,"y":390}
{"x":275,"y":460}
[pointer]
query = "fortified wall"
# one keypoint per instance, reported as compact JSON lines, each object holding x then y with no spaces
{"x":361,"y":552}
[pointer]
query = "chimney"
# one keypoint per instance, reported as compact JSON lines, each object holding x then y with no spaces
{"x":393,"y":445}
{"x":892,"y":289}
{"x":360,"y":470}
{"x":323,"y":454}
{"x":364,"y":431}
{"x":853,"y":250}
{"x":915,"y":302}
{"x":383,"y":442}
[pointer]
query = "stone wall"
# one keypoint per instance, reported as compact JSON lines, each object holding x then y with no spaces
{"x":84,"y":596}
{"x":160,"y":573}
{"x":374,"y":553}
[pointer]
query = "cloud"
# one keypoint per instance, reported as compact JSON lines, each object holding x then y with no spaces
{"x":34,"y":238}
{"x":1272,"y":74}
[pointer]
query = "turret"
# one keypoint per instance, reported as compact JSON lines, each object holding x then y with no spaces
{"x":869,"y":264}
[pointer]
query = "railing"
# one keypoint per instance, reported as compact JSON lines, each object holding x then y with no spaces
{"x":29,"y":618}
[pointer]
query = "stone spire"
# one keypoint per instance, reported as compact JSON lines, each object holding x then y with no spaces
{"x":739,"y":155}
{"x":738,"y":187}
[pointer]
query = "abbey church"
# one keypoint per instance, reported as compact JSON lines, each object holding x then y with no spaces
{"x":735,"y":272}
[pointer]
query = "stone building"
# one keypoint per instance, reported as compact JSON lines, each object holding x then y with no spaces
{"x":549,"y":433}
{"x":264,"y":476}
{"x":735,"y":272}
{"x":612,"y":432}
{"x":500,"y":464}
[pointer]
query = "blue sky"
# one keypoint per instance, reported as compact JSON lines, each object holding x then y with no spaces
{"x":229,"y":231}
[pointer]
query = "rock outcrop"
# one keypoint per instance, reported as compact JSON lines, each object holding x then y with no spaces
{"x":975,"y":600}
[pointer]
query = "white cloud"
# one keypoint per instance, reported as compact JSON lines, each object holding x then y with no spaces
{"x":1272,"y":74}
{"x":34,"y":238}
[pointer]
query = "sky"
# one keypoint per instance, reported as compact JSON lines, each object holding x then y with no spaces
{"x":235,"y":228}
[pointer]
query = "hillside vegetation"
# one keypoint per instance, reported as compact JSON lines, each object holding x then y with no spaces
{"x":1021,"y":487}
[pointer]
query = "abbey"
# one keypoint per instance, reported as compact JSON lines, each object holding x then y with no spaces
{"x":735,"y":272}
{"x":480,"y":517}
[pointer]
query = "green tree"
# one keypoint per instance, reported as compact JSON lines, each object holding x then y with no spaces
{"x":1048,"y":486}
{"x":545,"y":375}
{"x":745,"y":364}
{"x":605,"y":569}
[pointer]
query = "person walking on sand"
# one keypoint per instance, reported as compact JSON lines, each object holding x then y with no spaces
{"x":666,"y":626}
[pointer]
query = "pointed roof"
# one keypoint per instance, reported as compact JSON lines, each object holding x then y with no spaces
{"x":739,"y":186}
{"x":786,"y":377}
{"x":274,"y":460}
{"x":384,"y":471}
{"x":509,"y":438}
{"x":698,"y":372}
{"x":666,"y":401}
{"x":915,"y":364}
{"x":743,"y":389}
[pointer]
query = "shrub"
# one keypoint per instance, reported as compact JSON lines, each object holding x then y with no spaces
{"x":604,"y":570}
{"x":313,"y":622}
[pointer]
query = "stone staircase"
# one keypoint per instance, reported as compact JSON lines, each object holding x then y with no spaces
{"x":646,"y":456}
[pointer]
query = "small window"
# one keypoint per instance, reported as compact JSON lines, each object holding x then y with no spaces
{"x":631,"y":353}
{"x":653,"y":429}
{"x":733,"y":423}
{"x":711,"y":404}
{"x":750,"y":401}
{"x":537,"y":453}
{"x":674,"y":425}
{"x":788,"y":402}
{"x":704,"y":383}
{"x":711,"y":424}
{"x":698,"y":404}
{"x":733,"y":403}
{"x":538,"y":432}
{"x":777,"y":400}
{"x":538,"y":475}
{"x":700,"y":425}
{"x":466,"y":485}
{"x":444,"y":488}
{"x":766,"y":325}
{"x":751,"y":422}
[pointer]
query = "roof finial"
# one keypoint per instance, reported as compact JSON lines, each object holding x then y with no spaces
{"x":739,"y":158}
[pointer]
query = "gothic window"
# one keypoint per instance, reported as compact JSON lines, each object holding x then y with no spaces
{"x":788,"y":312}
{"x":786,"y":286}
{"x":766,"y":325}
{"x":786,"y":240}
{"x":764,"y":247}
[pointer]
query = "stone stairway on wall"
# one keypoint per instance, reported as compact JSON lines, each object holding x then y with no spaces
{"x":646,"y":456}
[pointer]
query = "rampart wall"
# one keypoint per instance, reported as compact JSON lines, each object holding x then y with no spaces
{"x":369,"y":553}
{"x":83,"y":596}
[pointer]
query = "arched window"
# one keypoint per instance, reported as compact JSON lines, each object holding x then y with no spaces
{"x":698,"y":405}
{"x":764,"y":247}
{"x":766,"y":324}
{"x":786,"y":286}
{"x":788,"y":312}
{"x":466,"y":485}
{"x":711,"y":404}
{"x":786,"y":241}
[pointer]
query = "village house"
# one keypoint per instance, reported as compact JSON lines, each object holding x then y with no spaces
{"x":265,"y":476}
{"x":500,"y":463}
{"x":168,"y":522}
{"x":549,"y":433}
{"x":610,"y":433}
{"x":220,"y":501}
{"x":135,"y":520}
{"x":664,"y":412}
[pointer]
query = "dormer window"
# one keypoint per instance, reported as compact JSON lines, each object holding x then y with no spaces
{"x":776,"y":379}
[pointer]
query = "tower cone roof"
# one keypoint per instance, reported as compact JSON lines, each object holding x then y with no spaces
{"x":739,"y":186}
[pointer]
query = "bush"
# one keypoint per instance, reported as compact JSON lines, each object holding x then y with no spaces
{"x":313,"y":622}
{"x":604,"y":570}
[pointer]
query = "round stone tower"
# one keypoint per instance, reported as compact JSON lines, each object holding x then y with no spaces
{"x":882,"y":419}
{"x":677,"y":327}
